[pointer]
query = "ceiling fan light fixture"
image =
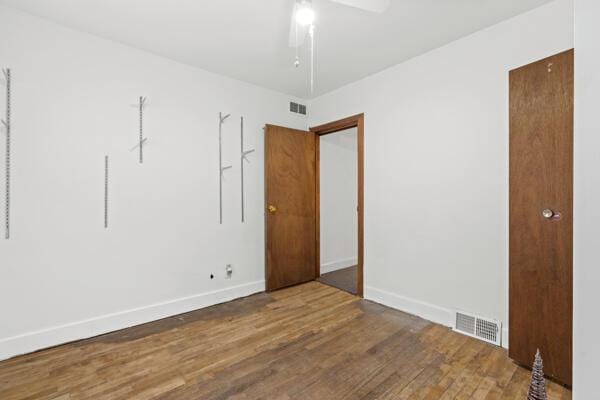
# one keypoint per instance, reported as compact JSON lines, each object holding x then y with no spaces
{"x":305,"y":14}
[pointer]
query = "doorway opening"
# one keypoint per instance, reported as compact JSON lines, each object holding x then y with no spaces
{"x":338,"y":177}
{"x":339,"y":203}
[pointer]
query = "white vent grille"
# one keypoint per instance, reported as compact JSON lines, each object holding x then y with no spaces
{"x":488,"y":330}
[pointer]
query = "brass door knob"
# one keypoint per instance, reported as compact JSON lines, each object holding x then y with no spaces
{"x":272,"y":209}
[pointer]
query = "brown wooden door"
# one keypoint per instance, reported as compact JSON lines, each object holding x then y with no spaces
{"x":290,"y":184}
{"x":541,"y":214}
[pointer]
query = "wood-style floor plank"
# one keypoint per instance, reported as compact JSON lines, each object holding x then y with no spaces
{"x":306,"y":342}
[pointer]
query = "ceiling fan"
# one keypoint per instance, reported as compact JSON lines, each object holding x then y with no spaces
{"x":303,"y":15}
{"x":303,"y":18}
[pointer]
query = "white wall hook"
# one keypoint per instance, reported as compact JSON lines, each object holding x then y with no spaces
{"x":243,"y":157}
{"x":140,"y":146}
{"x":144,"y":140}
{"x":222,"y":168}
{"x":7,"y":162}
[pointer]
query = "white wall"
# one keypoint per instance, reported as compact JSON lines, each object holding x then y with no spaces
{"x":436,"y":166}
{"x":339,"y":195}
{"x":587,"y":200}
{"x":62,"y":276}
{"x":436,"y":198}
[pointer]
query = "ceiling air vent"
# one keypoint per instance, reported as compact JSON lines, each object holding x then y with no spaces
{"x":488,"y":330}
{"x":297,"y":108}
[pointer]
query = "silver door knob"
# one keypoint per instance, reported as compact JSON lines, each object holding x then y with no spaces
{"x":547,"y":213}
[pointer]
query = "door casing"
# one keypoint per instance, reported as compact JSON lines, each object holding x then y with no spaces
{"x":355,"y":121}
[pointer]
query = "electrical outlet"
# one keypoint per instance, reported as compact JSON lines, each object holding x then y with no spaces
{"x":228,"y":271}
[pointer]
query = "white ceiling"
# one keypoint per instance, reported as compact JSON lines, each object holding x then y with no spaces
{"x":248,"y":39}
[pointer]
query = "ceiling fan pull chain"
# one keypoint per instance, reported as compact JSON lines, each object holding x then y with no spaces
{"x":297,"y":61}
{"x":311,"y":31}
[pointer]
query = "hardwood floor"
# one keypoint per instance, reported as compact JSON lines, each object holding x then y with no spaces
{"x":306,"y":342}
{"x":344,"y":279}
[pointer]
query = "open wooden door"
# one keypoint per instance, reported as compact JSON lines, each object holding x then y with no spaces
{"x":290,"y":222}
{"x":541,"y":214}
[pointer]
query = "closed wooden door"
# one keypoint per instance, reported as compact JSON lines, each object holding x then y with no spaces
{"x":541,"y":214}
{"x":290,"y":184}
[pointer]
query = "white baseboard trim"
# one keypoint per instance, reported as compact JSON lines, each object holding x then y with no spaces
{"x":430,"y":312}
{"x":33,"y":341}
{"x":339,"y":264}
{"x":505,"y":337}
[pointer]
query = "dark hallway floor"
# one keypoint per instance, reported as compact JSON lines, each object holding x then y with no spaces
{"x":344,"y":279}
